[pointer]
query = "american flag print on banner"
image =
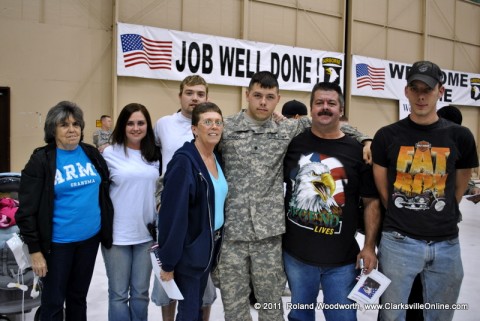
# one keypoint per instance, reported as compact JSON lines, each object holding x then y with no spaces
{"x":140,"y":50}
{"x":370,"y":76}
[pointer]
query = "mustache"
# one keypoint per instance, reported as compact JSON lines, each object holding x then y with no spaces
{"x":324,"y":112}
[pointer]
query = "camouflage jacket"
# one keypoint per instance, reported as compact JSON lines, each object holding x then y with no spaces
{"x":253,"y":166}
{"x":352,"y":131}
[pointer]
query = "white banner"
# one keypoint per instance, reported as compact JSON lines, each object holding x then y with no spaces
{"x":387,"y":79}
{"x":157,"y":53}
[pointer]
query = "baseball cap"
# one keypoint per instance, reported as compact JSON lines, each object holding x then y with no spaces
{"x":293,"y":108}
{"x":425,"y":71}
{"x":451,"y":113}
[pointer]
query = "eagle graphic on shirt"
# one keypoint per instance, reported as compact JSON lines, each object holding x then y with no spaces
{"x":317,"y":196}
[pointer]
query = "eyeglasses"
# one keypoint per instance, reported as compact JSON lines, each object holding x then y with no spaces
{"x":209,"y":122}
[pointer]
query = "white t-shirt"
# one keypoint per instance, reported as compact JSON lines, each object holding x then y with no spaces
{"x":133,"y":194}
{"x":171,"y":132}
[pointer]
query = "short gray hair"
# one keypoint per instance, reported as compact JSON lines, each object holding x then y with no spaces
{"x":59,"y":113}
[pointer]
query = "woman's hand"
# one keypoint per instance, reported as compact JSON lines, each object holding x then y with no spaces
{"x":166,"y":276}
{"x":39,"y":265}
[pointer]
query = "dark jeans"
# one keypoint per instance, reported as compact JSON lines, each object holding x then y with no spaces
{"x":70,"y":269}
{"x":192,"y":289}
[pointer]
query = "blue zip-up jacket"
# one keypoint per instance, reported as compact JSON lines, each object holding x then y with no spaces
{"x":186,"y":217}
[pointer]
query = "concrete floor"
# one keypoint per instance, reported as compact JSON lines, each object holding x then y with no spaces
{"x":470,"y":292}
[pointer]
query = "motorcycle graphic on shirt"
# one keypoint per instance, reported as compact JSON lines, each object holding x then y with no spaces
{"x":421,"y":177}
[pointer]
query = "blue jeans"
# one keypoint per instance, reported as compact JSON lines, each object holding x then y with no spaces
{"x":304,"y":283}
{"x":70,"y":269}
{"x":129,"y":268}
{"x":440,"y":266}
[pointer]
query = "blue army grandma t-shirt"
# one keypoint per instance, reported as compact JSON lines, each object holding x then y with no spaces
{"x":76,"y":215}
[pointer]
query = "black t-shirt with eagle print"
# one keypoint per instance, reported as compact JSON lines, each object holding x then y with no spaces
{"x":325,"y":179}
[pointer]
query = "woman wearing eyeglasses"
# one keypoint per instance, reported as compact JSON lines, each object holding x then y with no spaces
{"x":191,"y":214}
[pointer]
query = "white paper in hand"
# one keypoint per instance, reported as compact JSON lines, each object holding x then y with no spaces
{"x":20,"y":251}
{"x":369,"y":287}
{"x":170,"y":287}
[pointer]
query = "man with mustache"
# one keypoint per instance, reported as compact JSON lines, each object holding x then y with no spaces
{"x":325,"y":177}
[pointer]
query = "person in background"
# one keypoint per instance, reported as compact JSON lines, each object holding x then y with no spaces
{"x":325,"y":176}
{"x":451,"y":113}
{"x":133,"y":161}
{"x":421,"y":166}
{"x":101,"y":137}
{"x":294,"y":109}
{"x":171,"y":132}
{"x":191,"y":215}
{"x":454,"y":114}
{"x":65,"y":210}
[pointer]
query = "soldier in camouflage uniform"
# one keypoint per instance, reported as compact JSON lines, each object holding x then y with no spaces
{"x":253,"y":147}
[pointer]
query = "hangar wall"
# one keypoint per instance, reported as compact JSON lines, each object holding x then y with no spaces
{"x":55,"y":50}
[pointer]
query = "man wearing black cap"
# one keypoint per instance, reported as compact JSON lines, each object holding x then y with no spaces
{"x":421,"y":175}
{"x":294,"y":109}
{"x":451,"y":113}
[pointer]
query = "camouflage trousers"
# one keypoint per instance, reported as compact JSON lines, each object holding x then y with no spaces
{"x":261,"y":262}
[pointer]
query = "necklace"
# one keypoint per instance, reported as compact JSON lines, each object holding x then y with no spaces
{"x":208,"y":160}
